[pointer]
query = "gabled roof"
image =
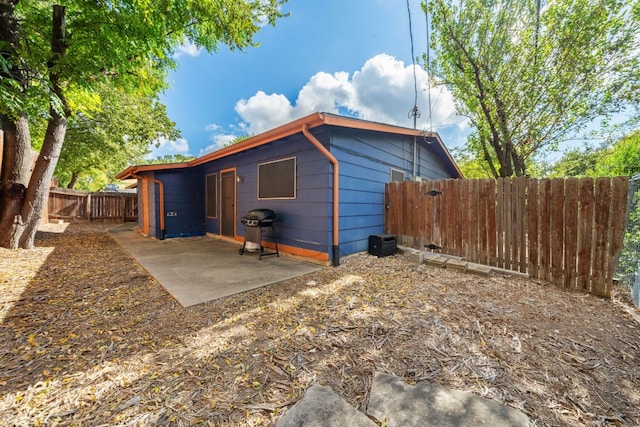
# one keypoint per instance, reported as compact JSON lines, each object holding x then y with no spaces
{"x":311,"y":121}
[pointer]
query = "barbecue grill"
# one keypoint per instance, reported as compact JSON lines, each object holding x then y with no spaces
{"x":256,"y":222}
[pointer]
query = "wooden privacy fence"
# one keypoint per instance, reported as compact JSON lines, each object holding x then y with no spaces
{"x":73,"y":204}
{"x":565,"y":231}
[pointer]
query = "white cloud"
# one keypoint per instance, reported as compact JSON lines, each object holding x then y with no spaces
{"x":325,"y":92}
{"x":187,"y":49}
{"x":219,"y":141}
{"x":262,"y":112}
{"x":164,"y":146}
{"x":382,"y":90}
{"x":212,"y":127}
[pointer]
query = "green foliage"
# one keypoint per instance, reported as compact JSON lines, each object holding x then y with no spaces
{"x":577,"y":162}
{"x":623,"y":158}
{"x":239,"y":139}
{"x":629,"y":260}
{"x":619,"y":158}
{"x":55,"y":59}
{"x":527,"y":80}
{"x":128,"y":43}
{"x":101,"y":143}
{"x":171,"y":158}
{"x":471,"y":166}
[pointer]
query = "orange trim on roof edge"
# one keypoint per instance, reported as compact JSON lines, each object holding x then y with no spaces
{"x":335,"y":120}
{"x":291,"y":128}
{"x":132,"y":170}
{"x":349,"y":122}
{"x":312,"y":120}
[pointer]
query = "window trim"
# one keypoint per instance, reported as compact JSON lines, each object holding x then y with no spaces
{"x":295,"y":179}
{"x":215,"y":198}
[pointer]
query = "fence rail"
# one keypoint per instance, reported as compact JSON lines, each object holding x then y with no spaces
{"x":565,"y":231}
{"x":73,"y":204}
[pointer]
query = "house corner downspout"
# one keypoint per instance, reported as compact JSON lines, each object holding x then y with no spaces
{"x":336,"y":191}
{"x":161,"y":190}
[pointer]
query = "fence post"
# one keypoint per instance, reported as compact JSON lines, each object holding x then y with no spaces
{"x":88,"y":207}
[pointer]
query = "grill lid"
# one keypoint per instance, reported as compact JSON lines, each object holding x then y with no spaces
{"x":260,"y":214}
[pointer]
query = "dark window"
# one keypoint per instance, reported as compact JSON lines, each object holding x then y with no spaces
{"x":396,"y":175}
{"x":277,"y":179}
{"x":212,"y":195}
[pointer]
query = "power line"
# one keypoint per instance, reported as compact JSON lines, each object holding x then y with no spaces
{"x":426,"y":15}
{"x":415,"y":111}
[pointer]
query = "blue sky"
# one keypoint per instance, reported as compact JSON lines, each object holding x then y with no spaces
{"x":339,"y":56}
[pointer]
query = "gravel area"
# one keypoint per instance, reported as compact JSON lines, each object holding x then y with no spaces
{"x":87,"y":337}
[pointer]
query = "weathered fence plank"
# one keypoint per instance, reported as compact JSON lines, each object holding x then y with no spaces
{"x":515,"y":226}
{"x":491,"y":221}
{"x":533,"y":234}
{"x":544,"y":219}
{"x":474,"y":223}
{"x":567,"y":232}
{"x":522,"y":223}
{"x":557,"y":231}
{"x":448,"y":230}
{"x":500,"y":221}
{"x":585,"y":235}
{"x":438,"y":212}
{"x":410,"y":229}
{"x":571,"y":191}
{"x":601,"y":228}
{"x":424,"y":224}
{"x":73,"y":204}
{"x":457,"y":230}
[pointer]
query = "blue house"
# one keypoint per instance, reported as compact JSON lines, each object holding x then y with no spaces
{"x":323,"y":175}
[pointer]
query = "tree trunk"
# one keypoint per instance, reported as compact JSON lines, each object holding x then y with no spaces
{"x":38,"y":189}
{"x":16,"y":162}
{"x":16,"y":150}
{"x":74,"y":179}
{"x":21,"y":207}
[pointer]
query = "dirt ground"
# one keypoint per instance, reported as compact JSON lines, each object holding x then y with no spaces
{"x":87,"y":337}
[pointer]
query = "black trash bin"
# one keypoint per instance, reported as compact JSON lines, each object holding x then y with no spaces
{"x":382,"y":244}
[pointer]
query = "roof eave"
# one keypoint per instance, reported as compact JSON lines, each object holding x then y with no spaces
{"x":311,"y":121}
{"x":132,"y":170}
{"x":291,"y":128}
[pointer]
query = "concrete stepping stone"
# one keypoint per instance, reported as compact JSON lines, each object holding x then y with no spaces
{"x":396,"y":403}
{"x":437,"y":261}
{"x":457,"y":265}
{"x":322,"y":407}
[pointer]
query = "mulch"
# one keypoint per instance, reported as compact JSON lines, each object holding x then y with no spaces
{"x":87,"y":337}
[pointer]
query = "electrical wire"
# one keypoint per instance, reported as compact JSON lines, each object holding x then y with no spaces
{"x":415,"y":111}
{"x":426,"y":15}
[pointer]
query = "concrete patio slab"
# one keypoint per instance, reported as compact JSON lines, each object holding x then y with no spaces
{"x":397,"y":403}
{"x":195,"y":270}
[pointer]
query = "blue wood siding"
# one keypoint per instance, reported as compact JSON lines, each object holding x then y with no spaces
{"x":183,"y":202}
{"x":303,"y":222}
{"x":366,"y":159}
